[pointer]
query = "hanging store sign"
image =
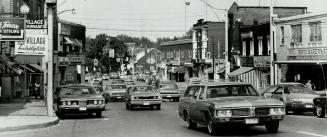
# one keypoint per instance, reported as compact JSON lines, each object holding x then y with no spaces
{"x":35,"y":24}
{"x":34,"y":45}
{"x":261,"y":61}
{"x":12,"y":29}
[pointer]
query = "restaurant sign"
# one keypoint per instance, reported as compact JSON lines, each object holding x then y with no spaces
{"x":12,"y":29}
{"x":34,"y":45}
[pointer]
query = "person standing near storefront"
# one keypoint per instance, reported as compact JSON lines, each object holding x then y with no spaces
{"x":37,"y":89}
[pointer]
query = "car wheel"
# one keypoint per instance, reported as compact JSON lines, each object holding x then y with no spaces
{"x":127,"y":106}
{"x":98,"y":114}
{"x":158,"y":107}
{"x":131,"y":107}
{"x":320,"y":111}
{"x":272,"y":127}
{"x":212,"y":128}
{"x":60,"y":115}
{"x":190,"y":123}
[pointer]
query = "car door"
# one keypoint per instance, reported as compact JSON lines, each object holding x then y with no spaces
{"x":279,"y":94}
{"x":200,"y":105}
{"x":192,"y":110}
{"x":126,"y":95}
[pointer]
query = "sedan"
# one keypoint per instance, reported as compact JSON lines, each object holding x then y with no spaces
{"x":296,"y":97}
{"x":78,"y":98}
{"x":115,"y":92}
{"x":142,"y":96}
{"x":169,"y":90}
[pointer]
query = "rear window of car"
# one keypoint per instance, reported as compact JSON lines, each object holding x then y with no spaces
{"x":142,"y":89}
{"x":299,"y":89}
{"x":116,"y":87}
{"x":230,"y":90}
{"x":77,"y":91}
{"x":168,"y":86}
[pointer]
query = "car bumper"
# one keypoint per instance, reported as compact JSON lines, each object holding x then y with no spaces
{"x":78,"y":109}
{"x":116,"y":97}
{"x":300,"y":106}
{"x":169,"y":96}
{"x":248,"y":120}
{"x":145,"y":102}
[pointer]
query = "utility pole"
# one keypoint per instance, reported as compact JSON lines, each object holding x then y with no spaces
{"x":51,"y":4}
{"x":227,"y":64}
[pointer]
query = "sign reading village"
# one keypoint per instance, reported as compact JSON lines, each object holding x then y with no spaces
{"x":12,"y":29}
{"x":34,"y":45}
{"x":35,"y":24}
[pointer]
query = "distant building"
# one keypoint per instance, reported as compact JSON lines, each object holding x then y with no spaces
{"x":302,"y":49}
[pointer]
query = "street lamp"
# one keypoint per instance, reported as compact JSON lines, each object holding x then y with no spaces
{"x":73,"y":11}
{"x":186,"y":4}
{"x":24,"y":9}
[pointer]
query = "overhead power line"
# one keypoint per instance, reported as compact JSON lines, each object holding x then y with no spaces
{"x":134,"y":30}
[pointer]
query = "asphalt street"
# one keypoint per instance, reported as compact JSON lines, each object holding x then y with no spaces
{"x":119,"y":122}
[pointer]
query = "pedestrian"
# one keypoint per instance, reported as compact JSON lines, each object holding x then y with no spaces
{"x":308,"y":84}
{"x":37,"y":89}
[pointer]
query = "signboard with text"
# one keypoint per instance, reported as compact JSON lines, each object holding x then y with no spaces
{"x":35,"y":24}
{"x":12,"y":29}
{"x":34,"y":45}
{"x":261,"y":61}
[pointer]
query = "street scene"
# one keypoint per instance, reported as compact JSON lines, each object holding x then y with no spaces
{"x":164,"y":68}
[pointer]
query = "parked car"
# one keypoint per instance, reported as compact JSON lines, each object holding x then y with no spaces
{"x":228,"y":103}
{"x":320,"y":105}
{"x":296,"y":97}
{"x":78,"y":98}
{"x":142,"y":95}
{"x":115,"y":92}
{"x":114,"y":75}
{"x":169,"y":90}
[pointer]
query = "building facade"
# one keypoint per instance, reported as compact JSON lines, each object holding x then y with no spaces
{"x":177,"y":56}
{"x":301,"y":49}
{"x":249,"y":42}
{"x":208,"y":40}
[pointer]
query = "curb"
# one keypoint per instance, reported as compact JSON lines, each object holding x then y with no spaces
{"x":32,"y":126}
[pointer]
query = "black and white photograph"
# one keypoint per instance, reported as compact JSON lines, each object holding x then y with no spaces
{"x":163,"y":68}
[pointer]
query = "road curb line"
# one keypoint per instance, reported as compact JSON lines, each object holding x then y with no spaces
{"x":32,"y":126}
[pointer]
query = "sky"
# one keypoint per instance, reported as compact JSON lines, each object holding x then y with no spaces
{"x":158,"y":18}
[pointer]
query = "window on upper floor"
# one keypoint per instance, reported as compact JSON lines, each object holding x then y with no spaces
{"x":177,"y":53}
{"x":260,"y":46}
{"x":315,"y":31}
{"x":190,"y":54}
{"x":251,"y":48}
{"x":268,"y":45}
{"x":171,"y":54}
{"x":182,"y":54}
{"x":296,"y":34}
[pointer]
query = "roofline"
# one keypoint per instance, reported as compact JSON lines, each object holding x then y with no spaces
{"x":274,"y":7}
{"x":301,"y":16}
{"x":175,"y":42}
{"x":70,"y":23}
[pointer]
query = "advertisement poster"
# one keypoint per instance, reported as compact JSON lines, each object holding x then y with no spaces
{"x":12,"y":29}
{"x":34,"y":45}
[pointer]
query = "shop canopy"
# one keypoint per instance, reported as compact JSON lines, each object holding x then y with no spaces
{"x":210,"y":70}
{"x":78,"y":43}
{"x":69,"y":41}
{"x":11,"y":65}
{"x":37,"y":67}
{"x":240,"y":71}
{"x":27,"y":68}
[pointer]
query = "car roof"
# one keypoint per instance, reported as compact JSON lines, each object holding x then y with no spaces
{"x":140,"y":85}
{"x":77,"y":85}
{"x":289,"y":83}
{"x":219,"y":83}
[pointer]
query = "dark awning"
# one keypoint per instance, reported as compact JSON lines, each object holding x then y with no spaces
{"x":10,"y":64}
{"x":37,"y":67}
{"x":240,"y":71}
{"x":25,"y":67}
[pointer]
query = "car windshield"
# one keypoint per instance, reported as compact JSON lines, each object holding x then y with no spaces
{"x":168,"y":86}
{"x":142,"y":89}
{"x":116,"y":87}
{"x":231,"y":90}
{"x":77,"y":91}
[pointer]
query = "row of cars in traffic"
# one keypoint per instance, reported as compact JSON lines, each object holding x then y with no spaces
{"x":213,"y":104}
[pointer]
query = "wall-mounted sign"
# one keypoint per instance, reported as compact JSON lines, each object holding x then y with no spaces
{"x":34,"y":45}
{"x":12,"y":29}
{"x":247,"y":34}
{"x":35,"y":24}
{"x":261,"y":61}
{"x":308,"y":51}
{"x":63,"y":61}
{"x":247,"y":62}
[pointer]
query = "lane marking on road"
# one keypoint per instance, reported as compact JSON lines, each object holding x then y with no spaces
{"x":312,"y":134}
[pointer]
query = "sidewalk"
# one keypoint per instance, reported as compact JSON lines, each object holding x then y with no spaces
{"x":20,"y":114}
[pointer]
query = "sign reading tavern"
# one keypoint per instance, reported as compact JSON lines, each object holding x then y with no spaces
{"x":12,"y":29}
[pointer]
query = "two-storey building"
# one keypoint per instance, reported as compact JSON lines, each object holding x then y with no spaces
{"x":302,"y":49}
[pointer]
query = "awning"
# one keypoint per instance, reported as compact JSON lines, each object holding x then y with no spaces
{"x":301,"y":62}
{"x":69,"y":41}
{"x":240,"y":71}
{"x":78,"y":43}
{"x":11,"y":64}
{"x":37,"y":67}
{"x":180,"y":69}
{"x":25,"y":67}
{"x":210,"y":70}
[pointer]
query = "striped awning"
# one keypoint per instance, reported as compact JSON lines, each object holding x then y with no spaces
{"x":240,"y":71}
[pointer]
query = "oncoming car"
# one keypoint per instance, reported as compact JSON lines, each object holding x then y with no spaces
{"x":228,"y":103}
{"x":169,"y":90}
{"x":142,"y":96}
{"x":115,"y":92}
{"x":78,"y":99}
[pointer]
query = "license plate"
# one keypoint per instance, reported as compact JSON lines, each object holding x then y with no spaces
{"x":251,"y":121}
{"x":308,"y":106}
{"x":82,"y":108}
{"x":119,"y":97}
{"x":169,"y":96}
{"x":146,"y":103}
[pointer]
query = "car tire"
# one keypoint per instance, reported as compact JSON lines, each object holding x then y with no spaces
{"x":127,"y":106}
{"x":98,"y":114}
{"x":176,"y":100}
{"x":320,"y":110}
{"x":212,"y":127}
{"x":158,"y":107}
{"x":131,"y":107}
{"x":190,"y":123}
{"x":60,"y":115}
{"x":272,"y":127}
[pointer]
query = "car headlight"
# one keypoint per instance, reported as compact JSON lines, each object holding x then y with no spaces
{"x":95,"y":102}
{"x":295,"y":100}
{"x":276,"y":111}
{"x":74,"y":102}
{"x":224,"y":113}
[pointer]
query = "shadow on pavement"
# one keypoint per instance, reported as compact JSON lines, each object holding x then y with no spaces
{"x":80,"y":116}
{"x":12,"y":106}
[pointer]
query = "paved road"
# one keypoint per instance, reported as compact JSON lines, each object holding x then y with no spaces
{"x":119,"y":122}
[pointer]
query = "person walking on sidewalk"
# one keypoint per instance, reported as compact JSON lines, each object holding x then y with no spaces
{"x":37,"y":89}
